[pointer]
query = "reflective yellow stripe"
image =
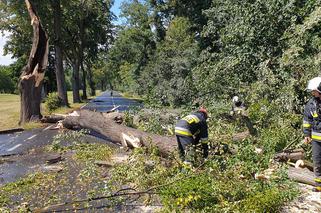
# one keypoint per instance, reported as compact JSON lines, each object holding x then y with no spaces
{"x":191,"y":119}
{"x":316,"y":137}
{"x":204,"y":141}
{"x":314,"y":114}
{"x":306,"y":125}
{"x":183,"y":132}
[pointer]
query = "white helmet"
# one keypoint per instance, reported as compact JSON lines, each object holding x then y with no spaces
{"x":235,"y":99}
{"x":314,"y":84}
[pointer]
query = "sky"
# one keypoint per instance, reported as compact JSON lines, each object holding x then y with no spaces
{"x":6,"y":60}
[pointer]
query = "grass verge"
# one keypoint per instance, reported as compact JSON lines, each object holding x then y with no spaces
{"x":10,"y":110}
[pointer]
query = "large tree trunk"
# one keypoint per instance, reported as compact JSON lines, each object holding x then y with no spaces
{"x":31,"y":79}
{"x":91,"y":81}
{"x":84,"y":87}
{"x":61,"y":86}
{"x":81,"y":57}
{"x":75,"y":82}
{"x":105,"y":124}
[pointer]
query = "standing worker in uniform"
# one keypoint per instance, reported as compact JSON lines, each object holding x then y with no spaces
{"x":312,"y":125}
{"x":189,"y":131}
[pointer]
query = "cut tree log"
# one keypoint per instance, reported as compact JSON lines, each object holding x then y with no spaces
{"x":304,"y":164}
{"x":107,"y":125}
{"x":291,"y":154}
{"x":302,"y":175}
{"x":53,"y":118}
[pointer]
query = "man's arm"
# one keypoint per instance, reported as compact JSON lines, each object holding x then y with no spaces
{"x":307,"y":123}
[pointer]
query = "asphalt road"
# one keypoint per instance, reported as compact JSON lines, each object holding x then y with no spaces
{"x":106,"y":102}
{"x":21,"y":143}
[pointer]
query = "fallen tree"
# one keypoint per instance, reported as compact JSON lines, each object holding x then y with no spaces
{"x":302,"y":175}
{"x":108,"y":124}
{"x":290,"y":154}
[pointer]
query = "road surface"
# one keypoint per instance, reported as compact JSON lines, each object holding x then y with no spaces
{"x":20,"y":144}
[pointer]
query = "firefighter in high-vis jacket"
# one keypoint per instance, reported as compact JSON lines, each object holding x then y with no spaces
{"x":312,"y":125}
{"x":190,"y":131}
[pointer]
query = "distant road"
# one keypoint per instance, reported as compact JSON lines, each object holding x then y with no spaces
{"x":106,"y":102}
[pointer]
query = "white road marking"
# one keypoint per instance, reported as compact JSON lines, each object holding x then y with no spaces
{"x":31,"y":137}
{"x":48,"y":127}
{"x":13,"y":148}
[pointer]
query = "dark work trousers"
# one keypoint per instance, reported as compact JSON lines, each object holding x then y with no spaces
{"x":316,"y":156}
{"x":186,"y":146}
{"x":183,"y":142}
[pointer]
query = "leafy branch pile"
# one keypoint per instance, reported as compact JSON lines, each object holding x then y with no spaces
{"x":226,"y":182}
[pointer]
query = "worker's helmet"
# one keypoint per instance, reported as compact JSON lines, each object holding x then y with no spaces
{"x":314,"y":84}
{"x":204,"y":111}
{"x":235,"y":99}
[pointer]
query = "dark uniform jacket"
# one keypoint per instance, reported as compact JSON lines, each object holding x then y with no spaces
{"x":193,"y":125}
{"x":312,"y":119}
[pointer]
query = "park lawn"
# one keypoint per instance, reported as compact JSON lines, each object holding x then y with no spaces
{"x":10,"y":110}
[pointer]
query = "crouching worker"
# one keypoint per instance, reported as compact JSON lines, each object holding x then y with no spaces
{"x":312,"y":126}
{"x":190,"y":131}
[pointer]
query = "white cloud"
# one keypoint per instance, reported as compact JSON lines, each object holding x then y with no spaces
{"x":4,"y":60}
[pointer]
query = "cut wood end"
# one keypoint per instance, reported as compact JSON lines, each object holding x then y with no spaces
{"x":130,"y":141}
{"x":258,"y":150}
{"x":59,"y":125}
{"x":74,"y":113}
{"x":299,"y":163}
{"x":261,"y":177}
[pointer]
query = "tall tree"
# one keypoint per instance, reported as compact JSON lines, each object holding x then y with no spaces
{"x":89,"y":29}
{"x":61,"y":85}
{"x":31,"y":79}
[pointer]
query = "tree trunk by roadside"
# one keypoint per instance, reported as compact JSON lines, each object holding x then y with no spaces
{"x":84,"y":87}
{"x":31,"y":79}
{"x":102,"y":83}
{"x":90,"y":80}
{"x":61,"y":85}
{"x":81,"y":56}
{"x":75,"y":81}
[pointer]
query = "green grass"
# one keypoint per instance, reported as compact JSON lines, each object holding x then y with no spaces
{"x":10,"y":110}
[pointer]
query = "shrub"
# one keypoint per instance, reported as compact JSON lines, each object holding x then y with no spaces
{"x":53,"y":102}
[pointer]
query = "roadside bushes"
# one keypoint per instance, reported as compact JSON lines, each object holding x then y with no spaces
{"x":6,"y":83}
{"x":53,"y":102}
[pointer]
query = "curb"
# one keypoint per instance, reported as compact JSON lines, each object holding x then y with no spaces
{"x":7,"y":131}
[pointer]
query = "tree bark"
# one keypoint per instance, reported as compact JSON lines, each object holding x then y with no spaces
{"x":31,"y":79}
{"x":302,"y":176}
{"x":292,"y":155}
{"x":91,"y":81}
{"x":81,"y":56}
{"x":105,"y":124}
{"x":61,"y":85}
{"x":75,"y":82}
{"x":84,"y":87}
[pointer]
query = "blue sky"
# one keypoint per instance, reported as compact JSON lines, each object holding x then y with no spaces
{"x":6,"y":60}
